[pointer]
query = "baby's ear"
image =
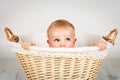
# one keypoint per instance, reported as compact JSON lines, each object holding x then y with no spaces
{"x":75,"y":39}
{"x":48,"y":41}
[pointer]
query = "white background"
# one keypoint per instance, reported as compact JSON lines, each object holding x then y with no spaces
{"x":30,"y":16}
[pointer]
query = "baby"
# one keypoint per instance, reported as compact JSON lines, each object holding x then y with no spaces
{"x":61,"y":33}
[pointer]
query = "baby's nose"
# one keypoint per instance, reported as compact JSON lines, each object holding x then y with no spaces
{"x":62,"y":44}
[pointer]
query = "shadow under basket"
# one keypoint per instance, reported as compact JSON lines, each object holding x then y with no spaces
{"x":43,"y":63}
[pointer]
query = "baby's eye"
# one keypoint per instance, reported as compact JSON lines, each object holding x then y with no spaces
{"x":56,"y":40}
{"x":68,"y":39}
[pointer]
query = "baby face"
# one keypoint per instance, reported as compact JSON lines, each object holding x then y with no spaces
{"x":60,"y":37}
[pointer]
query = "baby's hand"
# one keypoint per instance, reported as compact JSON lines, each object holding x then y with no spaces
{"x":26,"y":45}
{"x":101,"y":45}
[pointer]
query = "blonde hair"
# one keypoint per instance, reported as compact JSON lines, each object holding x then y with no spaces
{"x":60,"y":23}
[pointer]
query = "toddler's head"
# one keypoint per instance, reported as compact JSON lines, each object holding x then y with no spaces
{"x":61,"y":33}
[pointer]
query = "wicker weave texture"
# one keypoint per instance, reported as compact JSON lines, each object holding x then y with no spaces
{"x":57,"y":68}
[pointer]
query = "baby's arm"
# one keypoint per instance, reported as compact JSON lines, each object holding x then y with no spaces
{"x":101,"y":45}
{"x":26,"y":45}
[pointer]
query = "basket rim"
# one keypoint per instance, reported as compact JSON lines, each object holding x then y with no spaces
{"x":76,"y":52}
{"x":75,"y":49}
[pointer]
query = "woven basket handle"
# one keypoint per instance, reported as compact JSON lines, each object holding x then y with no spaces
{"x":10,"y":35}
{"x":111,"y":36}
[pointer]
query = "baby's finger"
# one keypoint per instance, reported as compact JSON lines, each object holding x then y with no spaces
{"x":23,"y":45}
{"x":33,"y":44}
{"x":26,"y":45}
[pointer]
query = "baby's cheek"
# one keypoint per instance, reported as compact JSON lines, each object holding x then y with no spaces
{"x":71,"y":45}
{"x":55,"y":45}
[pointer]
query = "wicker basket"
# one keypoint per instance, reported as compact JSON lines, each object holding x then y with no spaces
{"x":81,"y":63}
{"x":49,"y":65}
